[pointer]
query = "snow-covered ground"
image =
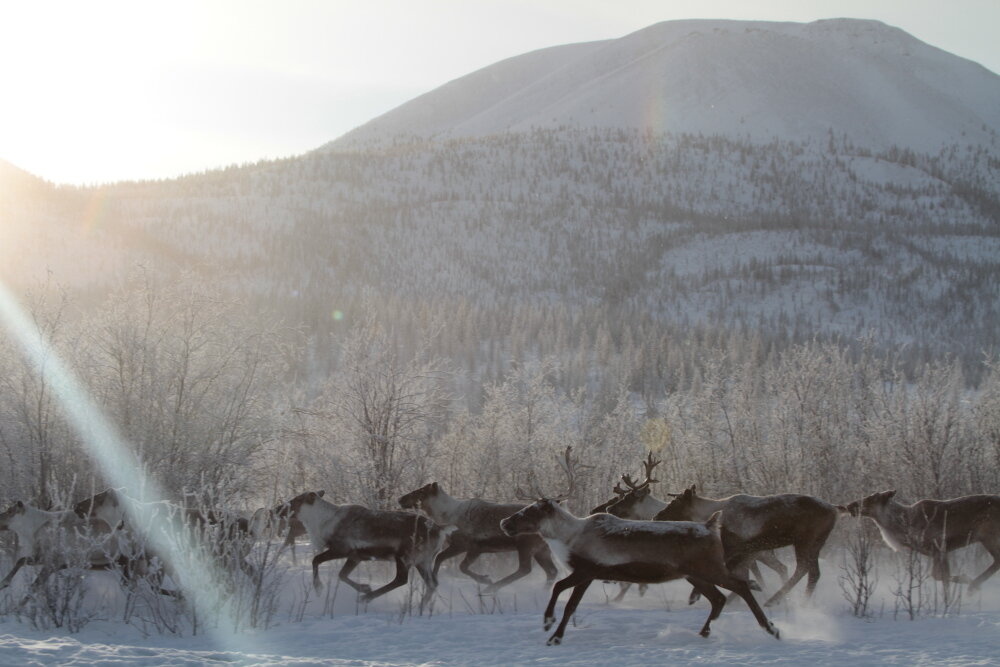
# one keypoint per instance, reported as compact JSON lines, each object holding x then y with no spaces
{"x":466,"y":629}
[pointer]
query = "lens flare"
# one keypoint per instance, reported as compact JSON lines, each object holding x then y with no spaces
{"x":121,"y":468}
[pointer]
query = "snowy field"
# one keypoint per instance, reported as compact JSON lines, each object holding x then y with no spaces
{"x":468,"y":629}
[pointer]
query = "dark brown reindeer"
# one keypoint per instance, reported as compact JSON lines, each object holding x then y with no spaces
{"x":358,"y":533}
{"x":935,"y":527}
{"x":478,"y":529}
{"x":602,"y":546}
{"x":263,"y":523}
{"x":631,"y":487}
{"x":758,"y":523}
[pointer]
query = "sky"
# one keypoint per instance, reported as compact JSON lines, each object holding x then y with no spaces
{"x":102,"y":90}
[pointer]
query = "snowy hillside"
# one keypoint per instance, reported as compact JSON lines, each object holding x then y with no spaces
{"x":874,"y":83}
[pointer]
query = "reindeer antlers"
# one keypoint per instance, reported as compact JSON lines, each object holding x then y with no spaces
{"x":571,"y":468}
{"x":648,"y":466}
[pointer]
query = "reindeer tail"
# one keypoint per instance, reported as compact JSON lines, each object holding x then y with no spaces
{"x":714,"y":522}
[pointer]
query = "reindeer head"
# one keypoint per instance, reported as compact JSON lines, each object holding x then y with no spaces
{"x":291,"y":508}
{"x":530,"y":518}
{"x":416,"y":499}
{"x":870,"y":505}
{"x":88,"y":508}
{"x":680,"y":508}
{"x":625,"y":506}
{"x":13,"y":511}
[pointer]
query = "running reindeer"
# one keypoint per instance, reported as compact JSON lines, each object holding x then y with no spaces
{"x":224,"y":535}
{"x":53,"y":540}
{"x":635,"y":501}
{"x":478,"y":529}
{"x":358,"y":533}
{"x":935,"y":527}
{"x":603,"y":546}
{"x":757,"y":523}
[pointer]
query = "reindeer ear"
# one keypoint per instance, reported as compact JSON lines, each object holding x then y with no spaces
{"x":19,"y":505}
{"x":889,"y":494}
{"x":693,"y":490}
{"x":434,"y":487}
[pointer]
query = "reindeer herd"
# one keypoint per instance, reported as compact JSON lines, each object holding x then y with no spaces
{"x":634,"y":538}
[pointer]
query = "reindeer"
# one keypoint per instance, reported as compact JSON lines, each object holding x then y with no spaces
{"x":478,"y":529}
{"x":44,"y":536}
{"x":621,"y":492}
{"x":265,"y":523}
{"x":223,"y":533}
{"x":602,"y":546}
{"x":757,"y":523}
{"x":358,"y":533}
{"x":935,"y":527}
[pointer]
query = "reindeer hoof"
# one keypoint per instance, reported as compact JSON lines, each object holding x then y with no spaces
{"x":773,"y":630}
{"x":754,"y":586}
{"x":694,"y":597}
{"x":554,"y":640}
{"x":548,"y":623}
{"x":705,"y":632}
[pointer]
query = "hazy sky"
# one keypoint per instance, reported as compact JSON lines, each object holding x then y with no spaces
{"x":95,"y":91}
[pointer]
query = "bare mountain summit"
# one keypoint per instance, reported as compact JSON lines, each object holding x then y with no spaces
{"x":875,"y":84}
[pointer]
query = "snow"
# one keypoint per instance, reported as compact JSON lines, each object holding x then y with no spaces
{"x":505,"y":629}
{"x":867,"y":80}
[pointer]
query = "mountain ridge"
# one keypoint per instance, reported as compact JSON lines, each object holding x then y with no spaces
{"x":872,"y":82}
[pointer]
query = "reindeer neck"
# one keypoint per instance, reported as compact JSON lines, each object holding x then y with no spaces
{"x":562,"y":526}
{"x":314,"y":515}
{"x":650,"y":507}
{"x":702,"y":508}
{"x":895,"y":521}
{"x":444,"y":509}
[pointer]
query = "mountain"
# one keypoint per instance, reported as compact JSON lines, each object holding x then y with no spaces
{"x":875,"y":84}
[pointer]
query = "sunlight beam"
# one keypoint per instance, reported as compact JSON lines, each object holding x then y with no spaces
{"x":120,"y":466}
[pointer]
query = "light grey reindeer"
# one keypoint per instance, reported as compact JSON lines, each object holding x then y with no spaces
{"x":603,"y":546}
{"x":757,"y":523}
{"x":935,"y":527}
{"x":42,"y":536}
{"x":358,"y":533}
{"x":478,"y":529}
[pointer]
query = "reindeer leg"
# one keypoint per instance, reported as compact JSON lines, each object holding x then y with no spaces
{"x":544,"y":558}
{"x":523,"y":569}
{"x":347,"y":568}
{"x":289,"y":543}
{"x":714,"y":596}
{"x":402,"y":576}
{"x":771,"y":560}
{"x":449,"y":551}
{"x":622,"y":590}
{"x":574,"y":600}
{"x":465,"y":567}
{"x":573,"y":579}
{"x":994,"y":550}
{"x":322,"y":557}
{"x":742,"y":588}
{"x":430,"y":583}
{"x":754,"y":569}
{"x":806,"y":561}
{"x":18,"y":564}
